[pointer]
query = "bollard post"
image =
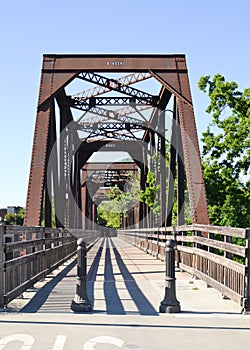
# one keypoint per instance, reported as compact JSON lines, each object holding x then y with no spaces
{"x":81,"y":302}
{"x":170,"y":304}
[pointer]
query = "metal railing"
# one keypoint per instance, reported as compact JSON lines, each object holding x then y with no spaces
{"x":28,"y":254}
{"x":220,"y":256}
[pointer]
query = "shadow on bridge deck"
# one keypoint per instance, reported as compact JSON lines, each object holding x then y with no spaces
{"x":122,"y":280}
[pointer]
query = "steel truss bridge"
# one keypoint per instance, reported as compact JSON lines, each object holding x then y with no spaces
{"x":117,"y":109}
{"x":65,"y":187}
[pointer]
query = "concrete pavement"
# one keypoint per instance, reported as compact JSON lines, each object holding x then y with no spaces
{"x":126,"y":287}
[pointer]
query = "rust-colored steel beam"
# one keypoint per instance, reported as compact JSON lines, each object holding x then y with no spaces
{"x":37,"y":170}
{"x":113,"y":62}
{"x":59,"y":70}
{"x":114,"y":101}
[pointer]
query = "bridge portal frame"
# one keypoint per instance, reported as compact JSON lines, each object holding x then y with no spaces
{"x":57,"y":72}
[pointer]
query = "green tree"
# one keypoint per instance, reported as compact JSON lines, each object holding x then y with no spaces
{"x":226,"y":152}
{"x":15,"y":219}
{"x":120,"y":202}
{"x":107,"y":216}
{"x":149,"y":195}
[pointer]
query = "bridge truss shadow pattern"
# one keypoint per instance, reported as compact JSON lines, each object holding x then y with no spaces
{"x":114,"y":286}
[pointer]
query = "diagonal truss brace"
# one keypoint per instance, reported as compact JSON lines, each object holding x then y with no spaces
{"x":121,"y":85}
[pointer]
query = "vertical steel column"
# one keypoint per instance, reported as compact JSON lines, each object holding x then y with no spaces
{"x":76,"y":189}
{"x":143,"y":178}
{"x":96,"y":216}
{"x":88,"y":210}
{"x":141,"y":204}
{"x":163,"y":181}
{"x":71,"y":207}
{"x":62,"y":190}
{"x":172,"y":168}
{"x":47,"y":204}
{"x":84,"y":197}
{"x":180,"y":181}
{"x":55,"y":165}
{"x":153,"y":168}
{"x":161,"y":130}
{"x":93,"y":215}
{"x":34,"y":201}
{"x":49,"y":170}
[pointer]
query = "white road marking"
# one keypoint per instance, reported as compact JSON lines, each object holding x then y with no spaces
{"x":28,"y":341}
{"x":90,"y":344}
{"x":60,"y":341}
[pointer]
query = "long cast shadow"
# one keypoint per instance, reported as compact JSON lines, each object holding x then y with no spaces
{"x":144,"y":306}
{"x":41,"y":296}
{"x":92,"y":273}
{"x":113,"y":301}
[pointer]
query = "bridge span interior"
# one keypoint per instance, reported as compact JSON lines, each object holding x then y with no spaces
{"x":94,"y":105}
{"x":97,"y":179}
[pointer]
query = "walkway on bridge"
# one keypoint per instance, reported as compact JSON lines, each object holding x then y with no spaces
{"x":126,"y":286}
{"x":122,"y":280}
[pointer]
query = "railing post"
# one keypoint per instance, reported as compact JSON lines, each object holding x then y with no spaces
{"x":158,"y":244}
{"x":170,"y":304}
{"x":2,"y":277}
{"x":81,"y":302}
{"x":147,"y":243}
{"x":178,"y":252}
{"x":246,"y":306}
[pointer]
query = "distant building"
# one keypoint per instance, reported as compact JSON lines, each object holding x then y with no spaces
{"x":13,"y":210}
{"x":3,"y":212}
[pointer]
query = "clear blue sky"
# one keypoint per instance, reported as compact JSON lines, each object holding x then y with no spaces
{"x":213,"y":34}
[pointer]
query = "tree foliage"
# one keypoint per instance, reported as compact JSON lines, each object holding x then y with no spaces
{"x":149,"y":195}
{"x":15,"y":219}
{"x":226,"y":152}
{"x":107,"y":216}
{"x":119,"y":203}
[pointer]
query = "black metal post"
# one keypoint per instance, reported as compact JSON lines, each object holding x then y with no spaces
{"x":170,"y":304}
{"x":81,"y":302}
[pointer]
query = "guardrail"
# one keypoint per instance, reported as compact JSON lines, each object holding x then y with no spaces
{"x":28,"y":254}
{"x":220,"y":256}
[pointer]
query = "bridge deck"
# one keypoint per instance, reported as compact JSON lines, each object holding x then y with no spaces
{"x":126,"y":287}
{"x":122,"y":280}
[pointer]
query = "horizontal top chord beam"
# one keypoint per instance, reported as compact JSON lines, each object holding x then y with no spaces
{"x":113,"y":62}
